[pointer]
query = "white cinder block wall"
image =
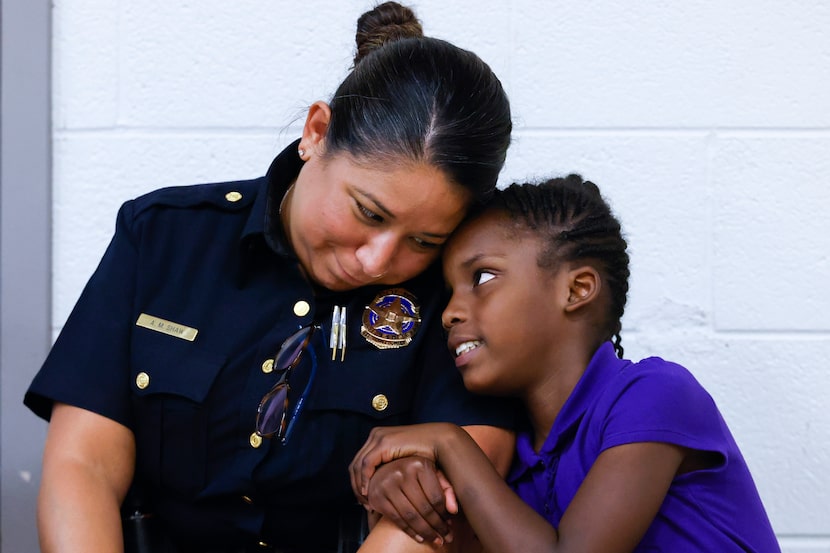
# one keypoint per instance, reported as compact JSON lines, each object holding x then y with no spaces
{"x":706,"y":123}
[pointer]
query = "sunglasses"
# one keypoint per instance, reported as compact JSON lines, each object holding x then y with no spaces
{"x":272,"y":419}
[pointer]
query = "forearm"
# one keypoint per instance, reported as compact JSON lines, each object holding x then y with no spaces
{"x":386,"y":537}
{"x":501,"y":520}
{"x":497,"y":443}
{"x":77,"y":514}
{"x":88,"y":465}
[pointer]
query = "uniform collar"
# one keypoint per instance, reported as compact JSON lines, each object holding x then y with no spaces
{"x":264,"y":219}
{"x":603,"y":366}
{"x":281,"y":175}
{"x":263,"y":232}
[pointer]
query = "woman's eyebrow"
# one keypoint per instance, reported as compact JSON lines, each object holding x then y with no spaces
{"x":377,"y":203}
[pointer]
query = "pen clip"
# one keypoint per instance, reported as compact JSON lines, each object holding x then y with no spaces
{"x":342,"y":339}
{"x":334,"y":338}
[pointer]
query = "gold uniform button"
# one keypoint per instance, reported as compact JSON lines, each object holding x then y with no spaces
{"x":301,"y":308}
{"x":263,"y":544}
{"x":255,"y":440}
{"x":247,"y":500}
{"x":233,"y":196}
{"x":268,"y":366}
{"x":142,"y":380}
{"x":379,"y":402}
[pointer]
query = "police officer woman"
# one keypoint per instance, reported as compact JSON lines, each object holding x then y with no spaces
{"x":239,"y":340}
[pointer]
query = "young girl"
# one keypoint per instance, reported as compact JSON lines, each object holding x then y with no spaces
{"x":617,"y":456}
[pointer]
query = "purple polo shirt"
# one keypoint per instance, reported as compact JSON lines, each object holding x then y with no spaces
{"x":618,"y":402}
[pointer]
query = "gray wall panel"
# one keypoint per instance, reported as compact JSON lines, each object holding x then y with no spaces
{"x":25,"y":251}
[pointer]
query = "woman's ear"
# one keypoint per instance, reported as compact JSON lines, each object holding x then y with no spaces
{"x":314,"y":130}
{"x":584,"y":284}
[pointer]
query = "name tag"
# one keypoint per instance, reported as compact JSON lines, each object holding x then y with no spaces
{"x":166,"y":327}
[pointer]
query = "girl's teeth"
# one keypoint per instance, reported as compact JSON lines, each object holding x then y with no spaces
{"x":466,"y":346}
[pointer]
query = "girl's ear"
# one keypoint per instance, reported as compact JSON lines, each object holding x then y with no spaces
{"x":584,"y":284}
{"x":314,"y":130}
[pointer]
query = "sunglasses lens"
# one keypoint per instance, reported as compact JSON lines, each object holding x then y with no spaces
{"x":291,"y":349}
{"x":272,"y":411}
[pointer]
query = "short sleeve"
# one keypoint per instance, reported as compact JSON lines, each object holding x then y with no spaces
{"x":88,"y":365}
{"x":657,"y":401}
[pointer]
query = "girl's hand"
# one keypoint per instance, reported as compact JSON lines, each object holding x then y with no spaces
{"x":394,"y":442}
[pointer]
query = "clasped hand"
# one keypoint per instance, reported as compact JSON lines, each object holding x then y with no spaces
{"x":396,"y":474}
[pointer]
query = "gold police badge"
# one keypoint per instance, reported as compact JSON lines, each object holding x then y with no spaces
{"x":392,"y":319}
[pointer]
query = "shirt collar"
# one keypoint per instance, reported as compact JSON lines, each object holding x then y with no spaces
{"x":603,"y":365}
{"x":263,"y":231}
{"x":264,"y":219}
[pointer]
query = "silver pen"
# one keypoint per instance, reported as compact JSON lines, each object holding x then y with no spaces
{"x":342,"y":342}
{"x":334,"y":338}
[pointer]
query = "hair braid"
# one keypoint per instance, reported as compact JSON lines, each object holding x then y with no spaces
{"x":579,"y":225}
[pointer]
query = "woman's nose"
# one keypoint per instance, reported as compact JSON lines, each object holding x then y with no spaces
{"x":377,"y":254}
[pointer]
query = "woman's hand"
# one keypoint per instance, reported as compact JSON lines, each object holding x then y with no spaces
{"x":416,"y":496}
{"x":409,"y":490}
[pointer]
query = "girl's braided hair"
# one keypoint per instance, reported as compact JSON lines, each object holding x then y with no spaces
{"x":578,"y":224}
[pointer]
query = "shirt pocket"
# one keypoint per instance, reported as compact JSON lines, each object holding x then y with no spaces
{"x":378,"y":384}
{"x":171,"y":379}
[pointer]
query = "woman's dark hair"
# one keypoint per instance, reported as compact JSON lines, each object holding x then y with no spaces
{"x":421,"y":99}
{"x":579,"y":225}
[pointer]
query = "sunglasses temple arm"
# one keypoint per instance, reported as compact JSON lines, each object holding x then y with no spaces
{"x":301,"y":401}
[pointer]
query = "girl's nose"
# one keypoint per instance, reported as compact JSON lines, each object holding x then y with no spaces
{"x":453,"y":313}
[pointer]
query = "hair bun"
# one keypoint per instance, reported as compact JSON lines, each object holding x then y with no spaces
{"x":387,"y":22}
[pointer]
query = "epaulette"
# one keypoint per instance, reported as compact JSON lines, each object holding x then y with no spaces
{"x":227,"y":196}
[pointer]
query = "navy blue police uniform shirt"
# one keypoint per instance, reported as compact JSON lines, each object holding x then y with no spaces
{"x":174,"y":337}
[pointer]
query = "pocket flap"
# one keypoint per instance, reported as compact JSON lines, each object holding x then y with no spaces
{"x":165,"y":365}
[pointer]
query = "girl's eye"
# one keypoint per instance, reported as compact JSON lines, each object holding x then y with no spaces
{"x":482,"y":276}
{"x":368,"y":213}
